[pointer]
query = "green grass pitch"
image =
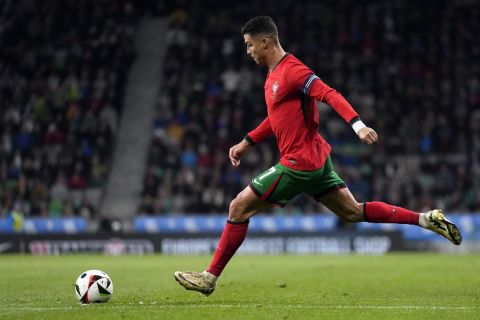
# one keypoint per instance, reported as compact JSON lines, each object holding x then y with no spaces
{"x":396,"y":286}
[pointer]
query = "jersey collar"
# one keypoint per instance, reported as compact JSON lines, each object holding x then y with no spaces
{"x":279,"y":61}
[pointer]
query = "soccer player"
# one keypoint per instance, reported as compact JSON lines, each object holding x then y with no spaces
{"x":291,"y":92}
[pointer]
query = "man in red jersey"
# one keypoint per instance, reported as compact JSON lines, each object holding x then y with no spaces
{"x":291,"y":92}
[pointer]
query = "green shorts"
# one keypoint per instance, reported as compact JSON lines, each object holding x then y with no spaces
{"x":280,"y":184}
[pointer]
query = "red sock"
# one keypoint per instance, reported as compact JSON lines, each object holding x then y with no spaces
{"x":231,"y":239}
{"x":380,"y":212}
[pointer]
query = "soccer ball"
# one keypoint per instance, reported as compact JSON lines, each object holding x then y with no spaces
{"x":93,"y":286}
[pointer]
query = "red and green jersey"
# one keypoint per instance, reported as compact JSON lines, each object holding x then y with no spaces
{"x":291,"y":91}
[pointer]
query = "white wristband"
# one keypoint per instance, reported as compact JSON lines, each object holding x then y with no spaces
{"x":358,"y":125}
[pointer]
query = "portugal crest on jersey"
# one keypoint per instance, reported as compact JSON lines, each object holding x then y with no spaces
{"x":275,"y":88}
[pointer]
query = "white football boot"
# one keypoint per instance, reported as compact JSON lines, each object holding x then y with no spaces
{"x":435,"y":220}
{"x":203,"y":282}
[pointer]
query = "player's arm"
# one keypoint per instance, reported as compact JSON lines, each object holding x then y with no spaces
{"x":302,"y":77}
{"x":316,"y":88}
{"x":256,"y":135}
{"x":263,"y":130}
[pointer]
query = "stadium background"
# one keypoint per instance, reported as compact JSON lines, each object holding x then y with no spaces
{"x":117,"y":116}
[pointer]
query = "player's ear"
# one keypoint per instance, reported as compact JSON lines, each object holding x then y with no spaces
{"x":265,"y":43}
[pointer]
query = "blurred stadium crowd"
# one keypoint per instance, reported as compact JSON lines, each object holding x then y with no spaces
{"x":411,"y":69}
{"x":62,"y":71}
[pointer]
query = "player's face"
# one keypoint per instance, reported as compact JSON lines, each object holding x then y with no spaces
{"x":255,"y":48}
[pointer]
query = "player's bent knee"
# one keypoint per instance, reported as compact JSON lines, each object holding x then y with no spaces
{"x":353,"y":214}
{"x":237,"y":211}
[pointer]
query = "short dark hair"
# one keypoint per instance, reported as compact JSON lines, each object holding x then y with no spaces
{"x":261,"y":25}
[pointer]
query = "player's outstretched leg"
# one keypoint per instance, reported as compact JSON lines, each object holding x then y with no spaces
{"x":343,"y":204}
{"x":435,"y":220}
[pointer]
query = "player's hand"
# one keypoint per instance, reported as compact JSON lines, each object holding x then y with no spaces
{"x":368,"y":135}
{"x":237,"y":152}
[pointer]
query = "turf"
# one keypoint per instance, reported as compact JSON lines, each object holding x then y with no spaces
{"x":400,"y":286}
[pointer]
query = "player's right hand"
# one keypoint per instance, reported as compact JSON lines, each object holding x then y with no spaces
{"x":237,"y":152}
{"x":368,"y":135}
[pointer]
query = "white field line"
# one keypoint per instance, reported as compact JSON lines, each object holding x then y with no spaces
{"x":249,"y":306}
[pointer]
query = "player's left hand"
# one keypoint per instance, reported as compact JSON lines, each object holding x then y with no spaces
{"x":368,"y":135}
{"x":238,"y":151}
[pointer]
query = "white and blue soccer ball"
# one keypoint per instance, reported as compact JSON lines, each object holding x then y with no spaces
{"x":93,"y":286}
